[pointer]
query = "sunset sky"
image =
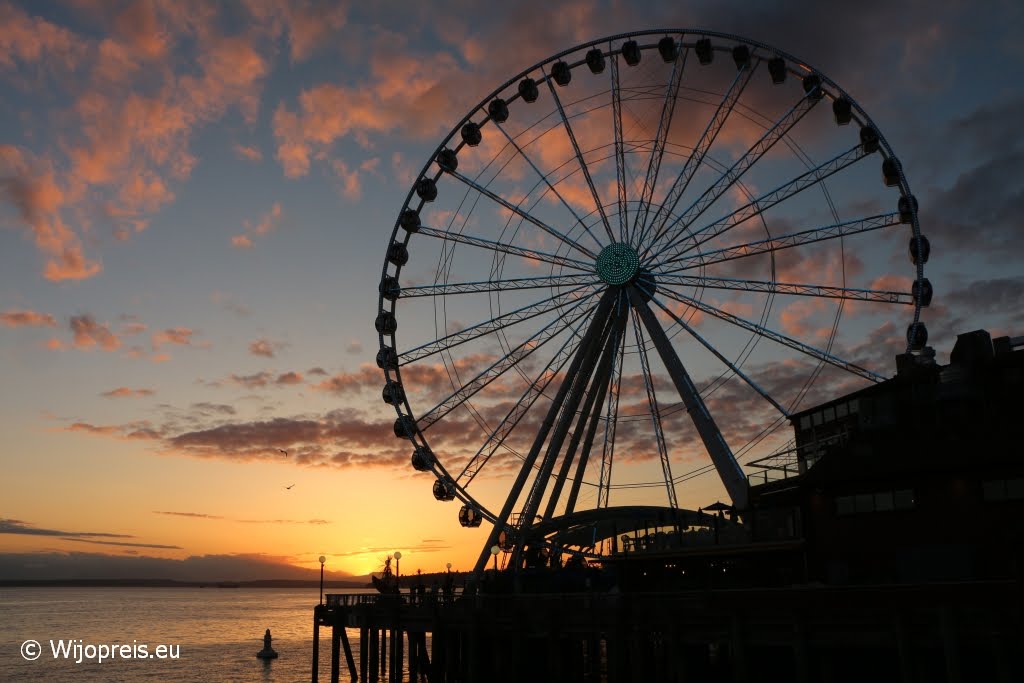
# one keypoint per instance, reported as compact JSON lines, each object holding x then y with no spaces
{"x":195,"y":204}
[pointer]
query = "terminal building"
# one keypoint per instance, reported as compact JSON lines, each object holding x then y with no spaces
{"x":919,"y":478}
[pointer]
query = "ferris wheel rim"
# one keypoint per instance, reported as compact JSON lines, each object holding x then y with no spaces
{"x":860,"y":115}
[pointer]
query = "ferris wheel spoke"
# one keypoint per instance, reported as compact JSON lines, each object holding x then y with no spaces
{"x":512,"y":418}
{"x":658,"y":149}
{"x":487,"y":327}
{"x":714,"y":443}
{"x":652,"y":402}
{"x":778,"y":337}
{"x":766,"y":201}
{"x":793,"y":288}
{"x":611,"y":420}
{"x":620,"y":157}
{"x":525,"y":215}
{"x":544,"y":178}
{"x":787,"y":241}
{"x":505,"y":248}
{"x":514,"y":357}
{"x":579,"y":158}
{"x":725,"y":361}
{"x":695,"y":159}
{"x":497,"y":285}
{"x":729,"y":178}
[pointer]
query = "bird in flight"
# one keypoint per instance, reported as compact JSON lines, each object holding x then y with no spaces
{"x":281,"y":450}
{"x":288,"y":488}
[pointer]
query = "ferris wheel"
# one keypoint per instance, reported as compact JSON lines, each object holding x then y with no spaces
{"x":626,"y":267}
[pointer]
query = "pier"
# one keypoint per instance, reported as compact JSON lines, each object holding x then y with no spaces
{"x":936,"y":632}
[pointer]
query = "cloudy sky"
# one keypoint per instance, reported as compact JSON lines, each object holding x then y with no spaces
{"x":196,"y":200}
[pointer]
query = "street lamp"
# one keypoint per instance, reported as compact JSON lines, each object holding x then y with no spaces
{"x":398,"y":571}
{"x":494,"y":551}
{"x":322,"y":560}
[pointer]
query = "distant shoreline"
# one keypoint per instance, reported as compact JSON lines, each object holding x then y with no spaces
{"x":170,"y":583}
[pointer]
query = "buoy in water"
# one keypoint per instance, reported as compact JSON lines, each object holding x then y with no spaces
{"x":267,"y":652}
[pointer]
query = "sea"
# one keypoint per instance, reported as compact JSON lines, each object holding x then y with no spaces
{"x":176,"y":635}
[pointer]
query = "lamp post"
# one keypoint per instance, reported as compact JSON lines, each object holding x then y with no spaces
{"x":322,"y":560}
{"x":494,"y":551}
{"x":398,"y":570}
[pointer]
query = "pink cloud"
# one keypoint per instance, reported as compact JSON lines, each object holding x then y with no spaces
{"x":15,"y":318}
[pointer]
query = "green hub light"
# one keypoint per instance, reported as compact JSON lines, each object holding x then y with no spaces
{"x":617,"y":264}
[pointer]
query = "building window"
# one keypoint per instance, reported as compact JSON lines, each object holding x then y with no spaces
{"x":880,"y":501}
{"x":1003,"y":489}
{"x":903,"y":499}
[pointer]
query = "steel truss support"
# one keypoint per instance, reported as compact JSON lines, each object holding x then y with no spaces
{"x":584,"y":362}
{"x":586,"y":424}
{"x":728,"y":469}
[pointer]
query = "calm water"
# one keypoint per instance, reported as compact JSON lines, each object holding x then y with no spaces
{"x":219,"y":632}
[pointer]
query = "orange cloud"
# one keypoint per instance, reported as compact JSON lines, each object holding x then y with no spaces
{"x":248,"y":153}
{"x":15,"y":318}
{"x":268,"y":223}
{"x":125,"y":139}
{"x":32,"y":187}
{"x":264,"y":347}
{"x":29,"y":40}
{"x":125,"y":392}
{"x":90,"y":334}
{"x":181,"y":336}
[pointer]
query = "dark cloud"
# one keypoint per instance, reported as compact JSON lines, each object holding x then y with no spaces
{"x":192,"y":515}
{"x":980,"y":213}
{"x":217,"y":408}
{"x":17,"y":526}
{"x":288,"y":378}
{"x":127,"y":545}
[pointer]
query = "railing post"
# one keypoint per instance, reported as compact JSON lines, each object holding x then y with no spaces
{"x":316,"y":646}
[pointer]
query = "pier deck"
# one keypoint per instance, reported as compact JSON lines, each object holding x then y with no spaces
{"x":934,"y":632}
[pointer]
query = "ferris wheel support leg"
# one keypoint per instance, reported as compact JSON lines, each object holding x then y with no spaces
{"x":721,"y":455}
{"x":590,"y":342}
{"x":586,"y":423}
{"x":565,"y":419}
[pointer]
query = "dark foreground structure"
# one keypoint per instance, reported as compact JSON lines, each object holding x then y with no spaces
{"x":885,"y":544}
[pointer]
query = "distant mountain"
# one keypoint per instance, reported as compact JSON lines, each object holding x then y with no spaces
{"x":140,"y":570}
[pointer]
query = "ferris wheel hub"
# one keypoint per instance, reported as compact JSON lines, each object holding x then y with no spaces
{"x":618,"y":264}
